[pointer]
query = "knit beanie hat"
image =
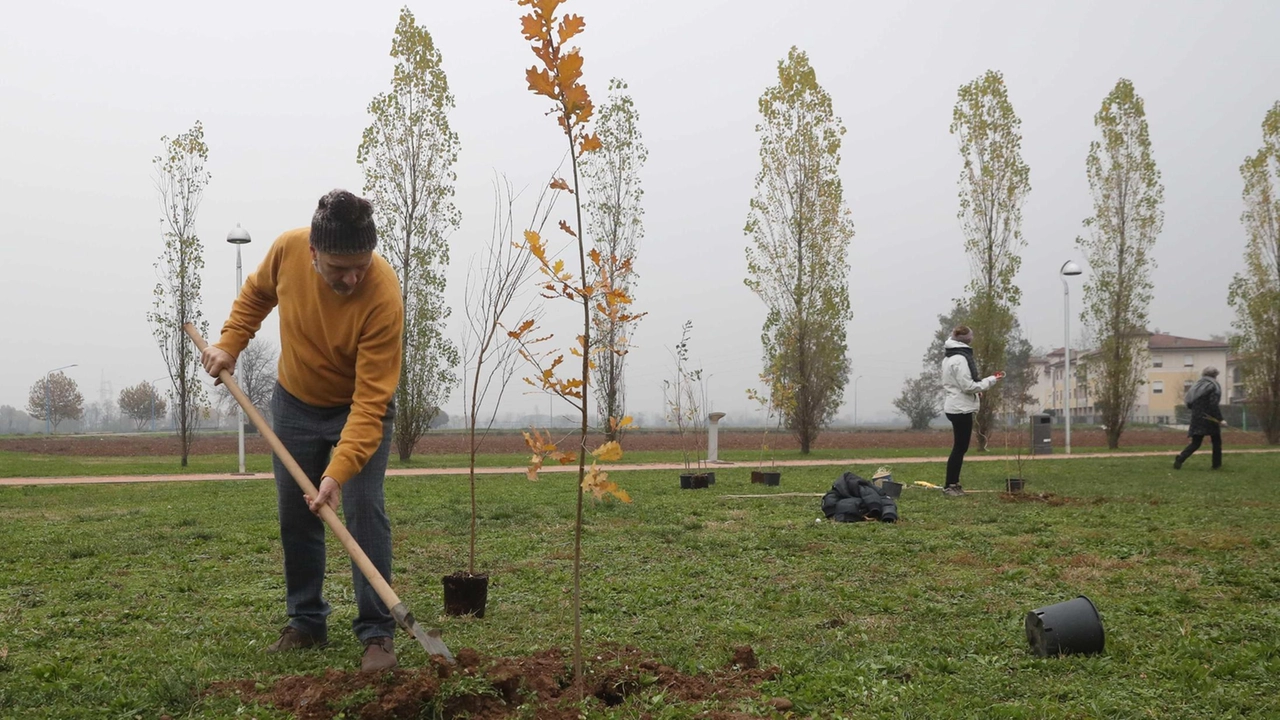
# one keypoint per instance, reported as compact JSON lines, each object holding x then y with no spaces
{"x":963,"y":334}
{"x":343,"y":225}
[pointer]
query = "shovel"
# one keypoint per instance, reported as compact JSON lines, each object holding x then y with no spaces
{"x":430,"y":640}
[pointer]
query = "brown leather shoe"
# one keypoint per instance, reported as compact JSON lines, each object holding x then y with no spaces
{"x":291,"y":638}
{"x":379,"y":654}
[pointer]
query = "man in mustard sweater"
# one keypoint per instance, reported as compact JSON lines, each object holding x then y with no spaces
{"x":341,"y":327}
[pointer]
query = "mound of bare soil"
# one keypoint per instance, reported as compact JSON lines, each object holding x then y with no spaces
{"x":541,"y":684}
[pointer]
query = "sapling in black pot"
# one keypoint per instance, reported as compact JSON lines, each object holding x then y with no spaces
{"x":495,"y":282}
{"x":772,"y":401}
{"x":681,"y":394}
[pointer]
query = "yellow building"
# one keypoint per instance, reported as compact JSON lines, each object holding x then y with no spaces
{"x":1173,"y":365}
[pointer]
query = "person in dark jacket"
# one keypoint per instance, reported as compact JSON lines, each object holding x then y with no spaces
{"x":1206,"y":417}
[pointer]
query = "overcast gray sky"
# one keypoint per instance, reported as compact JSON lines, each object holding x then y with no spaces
{"x":88,"y":88}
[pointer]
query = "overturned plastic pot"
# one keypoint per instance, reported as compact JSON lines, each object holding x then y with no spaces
{"x":772,"y":479}
{"x":757,"y":477}
{"x":686,"y":481}
{"x":465,"y":594}
{"x":1014,"y":485}
{"x":1067,"y":628}
{"x":891,"y":488}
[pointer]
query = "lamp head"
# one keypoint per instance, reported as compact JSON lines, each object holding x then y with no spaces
{"x":1070,"y":268}
{"x":238,"y":236}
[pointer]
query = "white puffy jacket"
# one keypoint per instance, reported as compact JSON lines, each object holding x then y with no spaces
{"x":961,"y":391}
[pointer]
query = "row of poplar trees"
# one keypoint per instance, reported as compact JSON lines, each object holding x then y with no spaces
{"x":408,"y":154}
{"x":1118,"y":245}
{"x":799,"y":229}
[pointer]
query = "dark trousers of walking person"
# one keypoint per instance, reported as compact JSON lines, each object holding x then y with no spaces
{"x":962,"y":428}
{"x":1215,"y":436}
{"x":309,"y":434}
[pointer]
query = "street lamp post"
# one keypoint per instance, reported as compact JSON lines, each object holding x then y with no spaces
{"x":48,"y":404}
{"x":855,"y":400}
{"x":1068,"y":269}
{"x":239,"y":236}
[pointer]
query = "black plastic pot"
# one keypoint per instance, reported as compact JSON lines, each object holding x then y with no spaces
{"x":757,"y":477}
{"x":1067,"y":628}
{"x":1014,"y":484}
{"x":465,"y":594}
{"x":891,"y":488}
{"x":711,"y":479}
{"x":686,"y":481}
{"x":772,"y":479}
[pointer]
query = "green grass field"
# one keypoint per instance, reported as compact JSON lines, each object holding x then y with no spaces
{"x":125,"y":601}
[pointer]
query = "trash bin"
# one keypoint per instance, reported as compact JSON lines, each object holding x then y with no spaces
{"x":1041,"y":434}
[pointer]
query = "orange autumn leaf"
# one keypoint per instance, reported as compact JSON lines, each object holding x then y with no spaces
{"x":597,"y":483}
{"x":570,"y":69}
{"x":565,"y":227}
{"x":589,"y":143}
{"x":571,"y":25}
{"x":525,"y":327}
{"x":576,"y":100}
{"x":560,"y":184}
{"x":540,"y":81}
{"x":608,"y":452}
{"x":533,"y":28}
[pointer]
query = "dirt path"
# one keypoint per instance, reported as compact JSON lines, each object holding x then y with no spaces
{"x":414,"y":472}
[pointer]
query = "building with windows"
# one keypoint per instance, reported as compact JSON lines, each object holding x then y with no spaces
{"x":1173,"y":364}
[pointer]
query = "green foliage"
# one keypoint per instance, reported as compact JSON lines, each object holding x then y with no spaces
{"x":1255,"y":293}
{"x":57,"y":396}
{"x":408,"y":154}
{"x":180,"y":182}
{"x":1127,"y":196}
{"x":1020,"y":375}
{"x":615,"y":225}
{"x":183,"y":590}
{"x":920,"y":400}
{"x":994,"y":184}
{"x":797,"y":260}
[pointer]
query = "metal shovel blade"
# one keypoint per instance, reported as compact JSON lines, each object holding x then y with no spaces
{"x":430,"y":639}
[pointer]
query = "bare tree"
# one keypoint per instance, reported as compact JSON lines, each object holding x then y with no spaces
{"x":180,"y":182}
{"x":490,"y":356}
{"x":256,"y":375}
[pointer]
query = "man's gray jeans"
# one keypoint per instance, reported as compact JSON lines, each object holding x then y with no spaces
{"x":309,"y":434}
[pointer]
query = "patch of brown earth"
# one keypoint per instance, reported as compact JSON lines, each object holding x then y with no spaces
{"x":510,"y":441}
{"x":499,"y":688}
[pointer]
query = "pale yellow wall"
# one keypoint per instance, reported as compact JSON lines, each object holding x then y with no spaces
{"x":1175,"y":374}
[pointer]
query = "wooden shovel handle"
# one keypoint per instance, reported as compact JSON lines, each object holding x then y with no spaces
{"x":330,"y":518}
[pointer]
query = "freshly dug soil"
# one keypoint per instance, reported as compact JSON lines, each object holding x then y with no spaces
{"x":505,"y":441}
{"x":541,"y":683}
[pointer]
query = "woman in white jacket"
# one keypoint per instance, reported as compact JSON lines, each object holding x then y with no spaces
{"x":963,"y":396}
